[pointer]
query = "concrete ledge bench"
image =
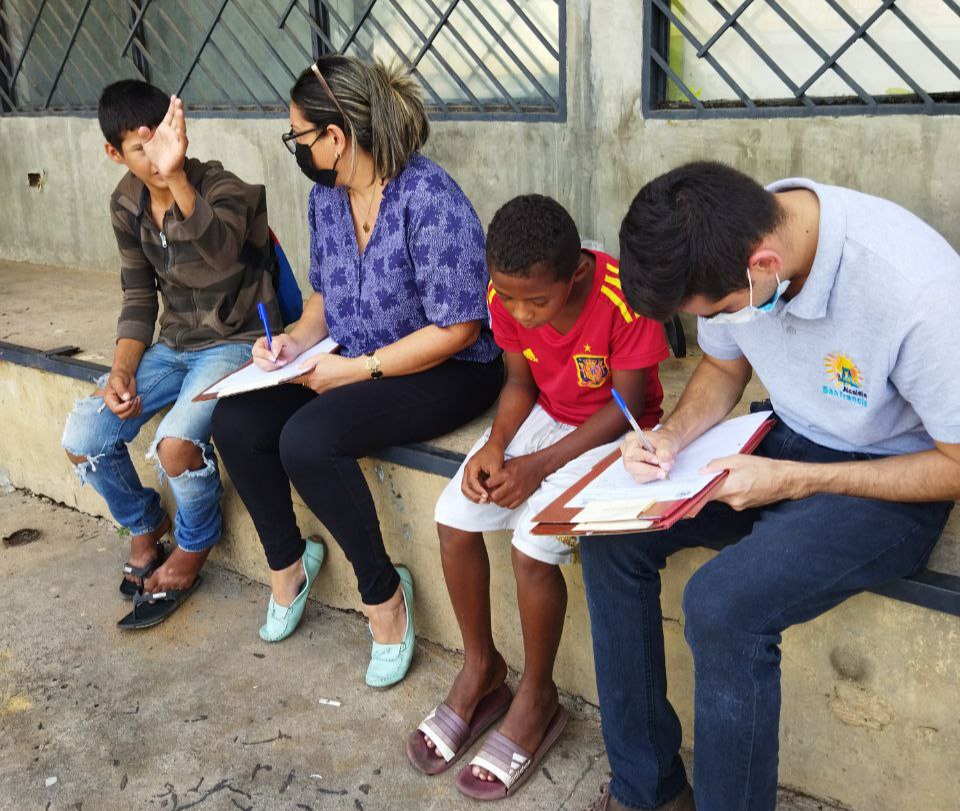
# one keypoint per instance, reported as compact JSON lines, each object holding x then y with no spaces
{"x":930,"y":588}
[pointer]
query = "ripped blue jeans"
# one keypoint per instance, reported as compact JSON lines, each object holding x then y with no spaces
{"x":164,"y":376}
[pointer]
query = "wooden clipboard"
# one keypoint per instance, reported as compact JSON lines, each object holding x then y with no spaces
{"x":558,"y":519}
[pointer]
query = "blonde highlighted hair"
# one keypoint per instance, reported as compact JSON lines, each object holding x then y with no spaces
{"x":378,"y":106}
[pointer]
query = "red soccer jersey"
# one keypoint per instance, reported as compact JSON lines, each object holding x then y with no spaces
{"x":572,"y":370}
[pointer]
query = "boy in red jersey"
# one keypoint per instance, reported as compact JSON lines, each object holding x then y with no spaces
{"x":568,"y":337}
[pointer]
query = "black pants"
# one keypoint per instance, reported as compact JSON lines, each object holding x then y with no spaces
{"x":270,"y":438}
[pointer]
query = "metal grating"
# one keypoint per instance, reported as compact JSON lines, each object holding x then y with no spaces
{"x":766,"y":58}
{"x":473,"y":58}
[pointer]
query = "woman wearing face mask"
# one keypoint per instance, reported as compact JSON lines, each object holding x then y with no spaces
{"x":399,"y":275}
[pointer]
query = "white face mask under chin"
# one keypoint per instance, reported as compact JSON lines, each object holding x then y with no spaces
{"x":750,"y":312}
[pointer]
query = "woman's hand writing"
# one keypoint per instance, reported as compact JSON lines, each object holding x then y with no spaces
{"x":283,"y":350}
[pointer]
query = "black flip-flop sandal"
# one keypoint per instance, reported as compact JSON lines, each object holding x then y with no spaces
{"x":127,"y":587}
{"x":152,"y":609}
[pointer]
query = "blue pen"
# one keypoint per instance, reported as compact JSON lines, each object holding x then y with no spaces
{"x":633,"y":424}
{"x":266,"y":324}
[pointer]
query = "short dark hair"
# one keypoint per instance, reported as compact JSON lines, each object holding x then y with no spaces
{"x":127,"y":105}
{"x":531,"y":229}
{"x":691,"y":232}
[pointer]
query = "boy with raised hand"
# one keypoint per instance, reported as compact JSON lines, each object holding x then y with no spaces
{"x":199,"y":235}
{"x":568,"y":338}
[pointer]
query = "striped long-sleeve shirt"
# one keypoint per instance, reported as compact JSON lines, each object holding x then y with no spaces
{"x":211,"y":268}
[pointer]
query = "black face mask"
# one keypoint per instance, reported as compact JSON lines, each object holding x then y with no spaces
{"x":322,"y":177}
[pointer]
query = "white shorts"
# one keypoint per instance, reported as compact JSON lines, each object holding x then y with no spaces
{"x":538,"y":431}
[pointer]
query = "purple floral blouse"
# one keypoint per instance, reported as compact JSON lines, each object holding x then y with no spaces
{"x":425,"y":263}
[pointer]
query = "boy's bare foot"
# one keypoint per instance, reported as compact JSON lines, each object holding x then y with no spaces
{"x":143,"y":548}
{"x":527,"y":719}
{"x":476,"y":680}
{"x":179,"y":571}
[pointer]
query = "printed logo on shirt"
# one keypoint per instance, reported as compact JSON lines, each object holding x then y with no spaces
{"x":592,"y":370}
{"x":530,"y":355}
{"x":845,"y":380}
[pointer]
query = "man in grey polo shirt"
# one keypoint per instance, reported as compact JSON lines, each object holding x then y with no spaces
{"x":844,"y":305}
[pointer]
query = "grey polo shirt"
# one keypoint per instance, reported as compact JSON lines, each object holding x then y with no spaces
{"x":866,"y":357}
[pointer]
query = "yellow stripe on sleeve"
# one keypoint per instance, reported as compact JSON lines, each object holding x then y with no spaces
{"x":613,"y":269}
{"x":618,"y":303}
{"x":490,"y":294}
{"x":614,"y":281}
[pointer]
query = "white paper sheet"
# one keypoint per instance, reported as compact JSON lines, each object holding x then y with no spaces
{"x":685,"y":481}
{"x":599,"y":511}
{"x":251,"y":378}
{"x":612,"y":526}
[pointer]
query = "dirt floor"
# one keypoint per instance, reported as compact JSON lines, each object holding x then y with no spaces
{"x":199,"y":712}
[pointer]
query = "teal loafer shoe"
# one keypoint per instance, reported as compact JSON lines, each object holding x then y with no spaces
{"x":390,"y":663}
{"x":283,"y":621}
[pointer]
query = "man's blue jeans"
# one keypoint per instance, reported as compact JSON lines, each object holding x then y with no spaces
{"x":779,"y":565}
{"x":165,"y":376}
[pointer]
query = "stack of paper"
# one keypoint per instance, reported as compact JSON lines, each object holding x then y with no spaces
{"x":608,"y":500}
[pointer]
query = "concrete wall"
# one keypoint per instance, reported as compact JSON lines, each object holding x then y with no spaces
{"x":869,"y":689}
{"x":594,"y":162}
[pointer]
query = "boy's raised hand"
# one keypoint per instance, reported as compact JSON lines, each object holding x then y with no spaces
{"x":166,"y":146}
{"x":484,"y":464}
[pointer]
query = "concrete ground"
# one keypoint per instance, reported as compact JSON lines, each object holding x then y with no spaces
{"x":199,"y":713}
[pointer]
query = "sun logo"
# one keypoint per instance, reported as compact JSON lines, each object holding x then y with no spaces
{"x":842,"y":371}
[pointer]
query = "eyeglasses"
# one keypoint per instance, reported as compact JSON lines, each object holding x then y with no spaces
{"x":326,"y":89}
{"x":290,"y":138}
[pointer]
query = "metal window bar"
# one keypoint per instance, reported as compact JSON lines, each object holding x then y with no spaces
{"x":731,"y":23}
{"x":7,"y":96}
{"x":75,"y":27}
{"x":525,"y":46}
{"x":326,"y":39}
{"x":139,"y":42}
{"x":25,"y":49}
{"x":474,"y":59}
{"x":30,"y":40}
{"x":90,"y":64}
{"x":249,"y":61}
{"x":815,"y":46}
{"x":550,"y":101}
{"x":319,"y":13}
{"x":881,"y":52}
{"x":140,"y":56}
{"x":171,"y":26}
{"x":399,"y":53}
{"x":425,"y":49}
{"x":54,"y":59}
{"x":660,"y":19}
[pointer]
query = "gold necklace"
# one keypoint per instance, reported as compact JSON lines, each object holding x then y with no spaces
{"x":365,"y":224}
